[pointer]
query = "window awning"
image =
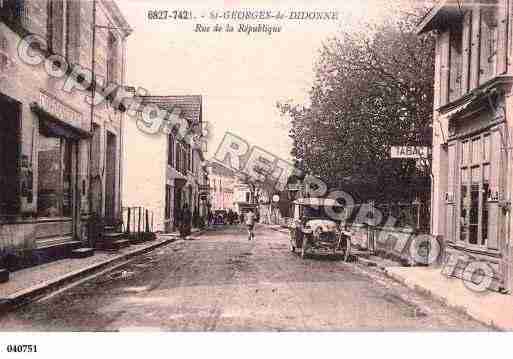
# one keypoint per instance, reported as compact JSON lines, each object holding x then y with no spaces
{"x":52,"y":126}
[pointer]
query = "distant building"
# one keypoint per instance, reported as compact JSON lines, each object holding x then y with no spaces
{"x":222,"y":181}
{"x":244,"y":197}
{"x":162,"y":172}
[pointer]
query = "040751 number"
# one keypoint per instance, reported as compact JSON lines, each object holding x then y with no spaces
{"x":22,"y":348}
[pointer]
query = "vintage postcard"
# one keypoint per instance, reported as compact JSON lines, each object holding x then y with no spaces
{"x":255,"y":166}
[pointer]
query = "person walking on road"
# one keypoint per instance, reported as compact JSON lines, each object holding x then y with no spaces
{"x":250,"y":224}
{"x":185,"y":222}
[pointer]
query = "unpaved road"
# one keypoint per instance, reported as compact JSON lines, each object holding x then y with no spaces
{"x":221,"y":282}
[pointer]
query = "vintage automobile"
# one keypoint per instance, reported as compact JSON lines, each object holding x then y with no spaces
{"x":312,"y":230}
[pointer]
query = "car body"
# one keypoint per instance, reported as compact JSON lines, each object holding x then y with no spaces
{"x":313,"y":230}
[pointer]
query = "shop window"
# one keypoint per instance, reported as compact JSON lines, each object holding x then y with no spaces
{"x":474,"y":189}
{"x":54,"y":197}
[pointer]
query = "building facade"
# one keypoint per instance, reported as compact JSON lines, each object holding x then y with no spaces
{"x":163,"y":171}
{"x":222,"y":182}
{"x":244,"y":197}
{"x":472,"y":138}
{"x":60,"y":159}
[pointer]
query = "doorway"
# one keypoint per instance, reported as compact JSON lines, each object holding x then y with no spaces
{"x":110,"y":177}
{"x":10,"y":125}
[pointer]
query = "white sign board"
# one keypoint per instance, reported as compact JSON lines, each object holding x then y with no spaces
{"x":409,"y":151}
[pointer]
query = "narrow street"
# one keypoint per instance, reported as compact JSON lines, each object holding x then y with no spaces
{"x":221,"y":281}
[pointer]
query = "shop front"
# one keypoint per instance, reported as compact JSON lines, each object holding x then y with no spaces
{"x":477,"y":205}
{"x":44,"y":184}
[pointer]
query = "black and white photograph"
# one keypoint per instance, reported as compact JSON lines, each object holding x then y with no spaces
{"x":298,"y":177}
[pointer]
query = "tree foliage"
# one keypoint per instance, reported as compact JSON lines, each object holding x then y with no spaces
{"x":372,"y":89}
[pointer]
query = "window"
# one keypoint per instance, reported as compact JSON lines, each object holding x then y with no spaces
{"x":13,"y":9}
{"x":54,"y":155}
{"x":171,"y":150}
{"x":474,"y":189}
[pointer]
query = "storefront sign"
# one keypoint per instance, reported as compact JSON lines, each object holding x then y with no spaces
{"x":409,"y":152}
{"x":60,"y":111}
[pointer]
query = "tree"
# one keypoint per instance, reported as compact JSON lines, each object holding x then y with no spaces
{"x":372,"y":89}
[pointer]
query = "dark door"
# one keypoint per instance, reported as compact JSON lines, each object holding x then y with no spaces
{"x":178,"y":205}
{"x":9,"y":155}
{"x":110,"y":178}
{"x":97,"y":171}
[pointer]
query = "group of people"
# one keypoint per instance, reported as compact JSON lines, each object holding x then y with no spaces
{"x":186,"y":219}
{"x":232,"y":217}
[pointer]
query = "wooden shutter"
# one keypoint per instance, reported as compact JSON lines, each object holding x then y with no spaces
{"x":502,"y":39}
{"x":474,"y":48}
{"x":455,"y":61}
{"x":467,"y":45}
{"x":56,"y":26}
{"x":73,"y":16}
{"x":452,"y":188}
{"x":444,"y":67}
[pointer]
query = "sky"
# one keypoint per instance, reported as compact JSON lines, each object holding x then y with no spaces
{"x":241,"y":77}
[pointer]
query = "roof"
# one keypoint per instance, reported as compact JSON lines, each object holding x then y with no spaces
{"x":191,"y":105}
{"x":324,"y":202}
{"x":438,"y":12}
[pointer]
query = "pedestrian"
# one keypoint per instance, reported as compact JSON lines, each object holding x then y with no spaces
{"x":250,"y":223}
{"x":185,"y":221}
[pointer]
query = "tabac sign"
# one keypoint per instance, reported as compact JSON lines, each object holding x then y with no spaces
{"x":414,"y":152}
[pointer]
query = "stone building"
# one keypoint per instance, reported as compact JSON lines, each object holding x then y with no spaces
{"x":51,"y":179}
{"x":164,"y":170}
{"x":472,"y":139}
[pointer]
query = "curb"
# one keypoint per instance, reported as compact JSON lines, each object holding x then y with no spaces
{"x":28,"y":295}
{"x":444,"y":301}
{"x":419,"y":309}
